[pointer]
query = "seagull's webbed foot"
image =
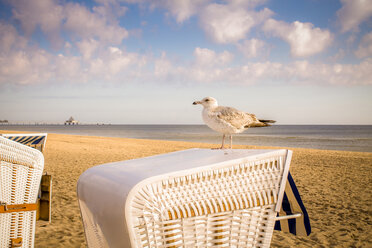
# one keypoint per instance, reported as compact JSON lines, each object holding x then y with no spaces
{"x":219,"y":148}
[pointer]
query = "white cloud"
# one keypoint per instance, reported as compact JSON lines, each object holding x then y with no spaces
{"x":183,"y":10}
{"x":303,"y":38}
{"x":19,"y":67}
{"x":365,"y":47}
{"x":223,"y":23}
{"x":353,"y":13}
{"x":87,"y":47}
{"x":251,"y":48}
{"x":10,"y":39}
{"x":20,"y":63}
{"x":208,"y":58}
{"x":115,"y":65}
{"x":316,"y":73}
{"x":297,"y":72}
{"x":162,"y":66}
{"x":339,"y":55}
{"x":54,"y":18}
{"x":69,"y":69}
{"x":228,"y":23}
{"x":206,"y":67}
{"x":94,"y":37}
{"x":245,"y":3}
{"x":110,"y":9}
{"x":112,"y":65}
{"x":180,"y":10}
{"x":46,"y":14}
{"x":85,"y":25}
{"x":204,"y":70}
{"x":118,"y":61}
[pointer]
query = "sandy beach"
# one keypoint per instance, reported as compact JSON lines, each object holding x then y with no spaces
{"x":336,"y":188}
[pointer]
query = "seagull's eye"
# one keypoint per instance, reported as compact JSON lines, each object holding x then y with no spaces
{"x":207,"y":100}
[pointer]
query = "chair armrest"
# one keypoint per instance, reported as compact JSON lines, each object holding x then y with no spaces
{"x":292,"y":216}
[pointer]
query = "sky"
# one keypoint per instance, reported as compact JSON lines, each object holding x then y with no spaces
{"x":146,"y":61}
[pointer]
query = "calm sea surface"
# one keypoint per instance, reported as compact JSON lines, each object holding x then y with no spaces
{"x":329,"y":137}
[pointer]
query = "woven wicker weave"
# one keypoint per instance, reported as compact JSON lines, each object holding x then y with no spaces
{"x":20,"y":173}
{"x":230,"y":202}
{"x":231,"y":206}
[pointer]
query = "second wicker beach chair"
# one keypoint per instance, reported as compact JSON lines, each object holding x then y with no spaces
{"x":21,"y":168}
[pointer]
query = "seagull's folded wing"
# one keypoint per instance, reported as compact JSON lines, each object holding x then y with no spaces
{"x":234,"y":117}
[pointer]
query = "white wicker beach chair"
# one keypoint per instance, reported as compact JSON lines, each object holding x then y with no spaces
{"x":21,"y":168}
{"x":38,"y":141}
{"x":192,"y":198}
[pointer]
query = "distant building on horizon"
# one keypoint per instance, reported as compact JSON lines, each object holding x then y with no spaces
{"x":71,"y":121}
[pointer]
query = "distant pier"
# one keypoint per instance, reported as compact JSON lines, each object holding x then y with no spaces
{"x":71,"y":121}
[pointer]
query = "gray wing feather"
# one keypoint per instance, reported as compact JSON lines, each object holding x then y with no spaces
{"x":234,"y":117}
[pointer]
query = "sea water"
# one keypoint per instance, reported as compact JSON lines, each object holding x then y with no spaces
{"x":328,"y":137}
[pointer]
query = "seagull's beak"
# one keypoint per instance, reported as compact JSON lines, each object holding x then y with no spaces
{"x":197,"y":102}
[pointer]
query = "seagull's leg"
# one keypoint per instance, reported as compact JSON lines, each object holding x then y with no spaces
{"x":230,"y":141}
{"x":223,"y":142}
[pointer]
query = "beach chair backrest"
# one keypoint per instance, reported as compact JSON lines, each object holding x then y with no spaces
{"x":230,"y":206}
{"x":192,"y":198}
{"x":35,"y":140}
{"x":21,"y":168}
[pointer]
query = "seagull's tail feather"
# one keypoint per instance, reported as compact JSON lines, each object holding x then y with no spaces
{"x":267,"y":121}
{"x":260,"y":123}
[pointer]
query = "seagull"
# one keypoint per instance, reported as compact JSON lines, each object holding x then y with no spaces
{"x":228,"y":120}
